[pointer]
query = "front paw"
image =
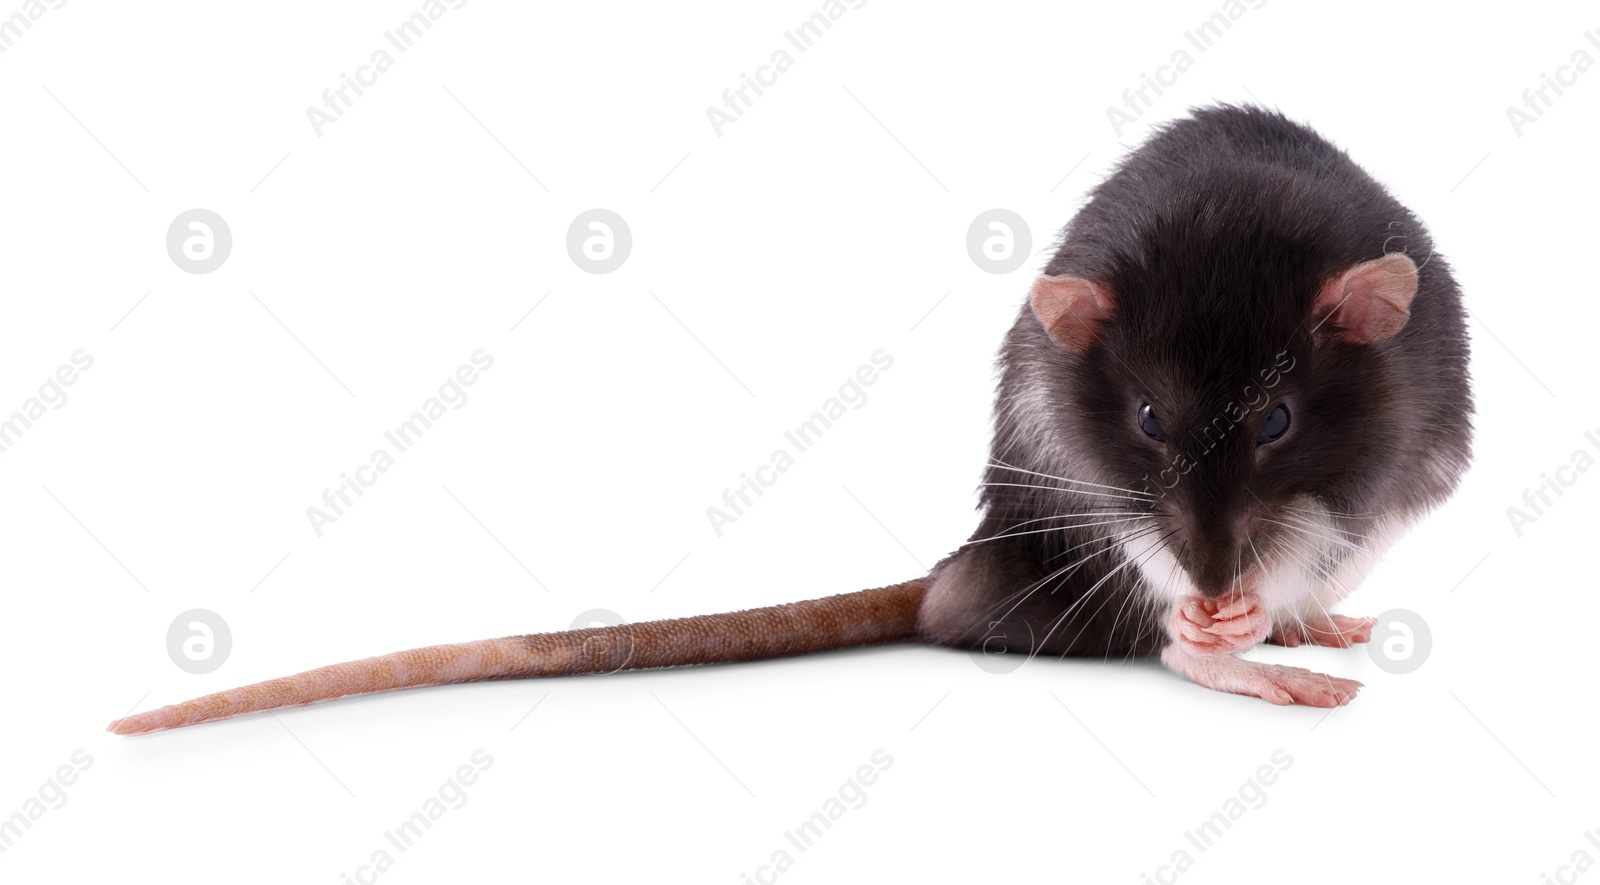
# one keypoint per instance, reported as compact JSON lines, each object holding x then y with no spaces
{"x":1231,"y":623}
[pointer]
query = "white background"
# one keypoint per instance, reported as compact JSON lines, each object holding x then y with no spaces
{"x":768,"y":263}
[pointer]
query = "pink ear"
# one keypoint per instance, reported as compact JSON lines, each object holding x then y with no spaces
{"x":1369,"y":302}
{"x":1071,"y":309}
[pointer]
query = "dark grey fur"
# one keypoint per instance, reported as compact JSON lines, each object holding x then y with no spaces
{"x":1215,"y":236}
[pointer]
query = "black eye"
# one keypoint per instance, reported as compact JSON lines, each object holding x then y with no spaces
{"x":1147,"y":423}
{"x":1272,"y":428}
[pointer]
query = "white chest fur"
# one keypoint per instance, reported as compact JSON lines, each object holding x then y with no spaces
{"x":1314,"y":565}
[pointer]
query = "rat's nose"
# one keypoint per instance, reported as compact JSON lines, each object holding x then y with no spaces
{"x":1216,"y":551}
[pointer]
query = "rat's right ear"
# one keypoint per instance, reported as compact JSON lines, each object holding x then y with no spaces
{"x":1071,"y":309}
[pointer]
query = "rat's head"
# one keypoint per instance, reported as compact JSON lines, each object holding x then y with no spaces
{"x":1238,"y":384}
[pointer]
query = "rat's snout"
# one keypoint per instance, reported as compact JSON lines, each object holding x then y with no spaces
{"x":1216,"y":552}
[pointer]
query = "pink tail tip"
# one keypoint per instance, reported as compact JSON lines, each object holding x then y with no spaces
{"x":153,"y":720}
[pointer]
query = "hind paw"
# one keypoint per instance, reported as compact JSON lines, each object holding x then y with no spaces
{"x":1337,"y":631}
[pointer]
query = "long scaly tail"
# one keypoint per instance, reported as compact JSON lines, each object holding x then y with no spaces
{"x":887,"y":614}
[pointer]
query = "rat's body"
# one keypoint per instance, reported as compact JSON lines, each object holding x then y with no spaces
{"x":1241,"y":377}
{"x":1220,"y":245}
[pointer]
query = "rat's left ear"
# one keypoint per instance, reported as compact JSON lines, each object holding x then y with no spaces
{"x":1370,"y":301}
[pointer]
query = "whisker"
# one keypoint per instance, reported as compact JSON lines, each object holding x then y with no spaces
{"x":1355,"y":548}
{"x":1315,"y":523}
{"x":1057,"y":622}
{"x":1056,"y":528}
{"x":1023,"y":485}
{"x":1308,"y":532}
{"x":996,"y":462}
{"x":1028,"y":591}
{"x":1071,"y":515}
{"x":1141,"y":532}
{"x":1171,"y":573}
{"x":1305,"y":631}
{"x":1139,"y":602}
{"x":1320,"y":573}
{"x":1262,"y":566}
{"x":1141,"y":612}
{"x":1331,"y":512}
{"x":1116,"y":621}
{"x":1129,"y":561}
{"x":1257,"y":554}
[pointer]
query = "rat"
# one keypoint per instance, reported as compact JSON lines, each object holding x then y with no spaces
{"x":1240,"y":378}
